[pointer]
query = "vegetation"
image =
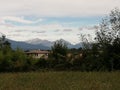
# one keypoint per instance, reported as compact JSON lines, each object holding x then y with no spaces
{"x":104,"y":54}
{"x":60,"y":81}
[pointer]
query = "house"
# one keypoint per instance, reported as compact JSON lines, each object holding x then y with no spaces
{"x":74,"y":56}
{"x":38,"y":54}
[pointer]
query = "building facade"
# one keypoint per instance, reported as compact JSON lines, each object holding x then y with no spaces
{"x":38,"y":54}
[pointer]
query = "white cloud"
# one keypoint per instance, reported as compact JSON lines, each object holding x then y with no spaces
{"x":45,"y":32}
{"x":57,"y":8}
{"x":18,"y":19}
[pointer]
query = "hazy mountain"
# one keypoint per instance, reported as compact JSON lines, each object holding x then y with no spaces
{"x":67,"y":43}
{"x":47,"y":43}
{"x":26,"y":46}
{"x":37,"y":41}
{"x":38,"y":44}
{"x":78,"y":45}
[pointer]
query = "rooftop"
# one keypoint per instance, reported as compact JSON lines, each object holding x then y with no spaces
{"x":37,"y":52}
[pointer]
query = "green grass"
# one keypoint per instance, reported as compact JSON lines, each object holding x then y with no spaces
{"x":60,"y":81}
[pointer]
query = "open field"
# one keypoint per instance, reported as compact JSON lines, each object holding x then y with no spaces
{"x":60,"y":81}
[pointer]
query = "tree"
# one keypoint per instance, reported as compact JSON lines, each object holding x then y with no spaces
{"x":104,"y":53}
{"x":59,"y":49}
{"x":19,"y":60}
{"x":109,"y":29}
{"x":108,"y":39}
{"x":2,"y":40}
{"x":58,"y":57}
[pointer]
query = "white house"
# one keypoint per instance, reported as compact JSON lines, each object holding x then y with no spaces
{"x":38,"y":54}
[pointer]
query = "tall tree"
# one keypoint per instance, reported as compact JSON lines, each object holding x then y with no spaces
{"x":59,"y":49}
{"x":2,"y":40}
{"x":108,"y":39}
{"x":109,"y":28}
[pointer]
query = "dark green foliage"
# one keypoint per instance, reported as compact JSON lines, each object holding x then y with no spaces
{"x":105,"y":53}
{"x":41,"y":63}
{"x":13,"y":60}
{"x":58,"y":56}
{"x":109,"y":40}
{"x":59,"y":50}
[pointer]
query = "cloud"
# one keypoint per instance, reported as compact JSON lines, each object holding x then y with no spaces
{"x":15,"y":35}
{"x":57,"y":30}
{"x":17,"y":19}
{"x":39,"y":31}
{"x":67,"y":30}
{"x":94,"y":27}
{"x":57,"y":8}
{"x":22,"y":33}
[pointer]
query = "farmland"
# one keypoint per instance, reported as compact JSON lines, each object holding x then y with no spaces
{"x":62,"y":80}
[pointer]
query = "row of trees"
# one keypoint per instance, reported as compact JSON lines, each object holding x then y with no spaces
{"x":105,"y":52}
{"x":101,"y":55}
{"x":12,"y":60}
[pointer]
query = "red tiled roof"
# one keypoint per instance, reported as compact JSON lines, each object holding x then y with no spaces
{"x":37,"y":52}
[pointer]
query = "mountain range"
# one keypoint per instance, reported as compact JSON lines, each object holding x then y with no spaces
{"x":39,"y":44}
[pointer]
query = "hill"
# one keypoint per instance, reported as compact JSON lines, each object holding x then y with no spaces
{"x":39,"y":44}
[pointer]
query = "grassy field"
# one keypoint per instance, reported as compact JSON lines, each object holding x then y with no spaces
{"x":60,"y":81}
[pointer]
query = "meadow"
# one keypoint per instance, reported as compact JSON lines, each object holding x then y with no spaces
{"x":61,"y":80}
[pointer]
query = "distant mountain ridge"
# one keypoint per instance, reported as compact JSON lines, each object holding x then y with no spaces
{"x":37,"y":41}
{"x":26,"y":46}
{"x":39,"y":44}
{"x":50,"y":43}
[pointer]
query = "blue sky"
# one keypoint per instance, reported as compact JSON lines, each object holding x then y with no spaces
{"x":75,"y":21}
{"x":22,"y":20}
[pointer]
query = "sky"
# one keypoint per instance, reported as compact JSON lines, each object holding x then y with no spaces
{"x":23,"y":20}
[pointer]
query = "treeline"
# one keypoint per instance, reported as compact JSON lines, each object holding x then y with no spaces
{"x":102,"y":54}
